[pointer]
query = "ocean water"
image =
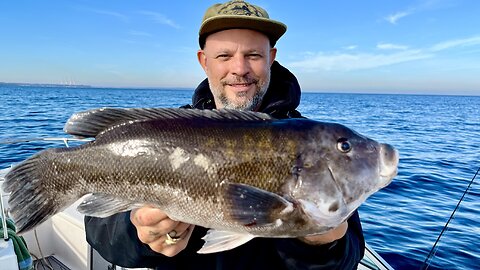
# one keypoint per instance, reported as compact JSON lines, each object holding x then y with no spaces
{"x":438,"y":138}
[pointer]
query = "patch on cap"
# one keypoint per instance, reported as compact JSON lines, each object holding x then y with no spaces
{"x":242,"y":8}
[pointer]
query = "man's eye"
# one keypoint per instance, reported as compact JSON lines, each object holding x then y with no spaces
{"x":254,"y":56}
{"x":223,"y":56}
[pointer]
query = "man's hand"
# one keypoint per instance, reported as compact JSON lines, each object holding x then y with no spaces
{"x":328,"y":237}
{"x":153,"y":225}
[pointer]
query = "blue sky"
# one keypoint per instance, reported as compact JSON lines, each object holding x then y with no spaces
{"x":410,"y":46}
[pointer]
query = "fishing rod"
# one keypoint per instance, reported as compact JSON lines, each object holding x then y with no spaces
{"x":433,"y":250}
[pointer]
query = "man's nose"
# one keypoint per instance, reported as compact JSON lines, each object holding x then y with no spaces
{"x":240,"y":66}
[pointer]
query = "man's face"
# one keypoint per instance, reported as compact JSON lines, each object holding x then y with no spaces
{"x":237,"y":63}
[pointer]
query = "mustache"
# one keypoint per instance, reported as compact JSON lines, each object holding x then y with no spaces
{"x":240,"y":80}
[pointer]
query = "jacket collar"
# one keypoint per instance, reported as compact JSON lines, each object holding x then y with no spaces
{"x":281,"y":100}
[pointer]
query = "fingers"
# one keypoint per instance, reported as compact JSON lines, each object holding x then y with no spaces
{"x":161,"y":246}
{"x":147,"y":216}
{"x":179,"y":231}
{"x":153,"y":225}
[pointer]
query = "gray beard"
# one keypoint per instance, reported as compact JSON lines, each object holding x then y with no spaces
{"x":251,"y":104}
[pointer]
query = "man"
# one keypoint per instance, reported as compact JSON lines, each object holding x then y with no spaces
{"x":238,"y":56}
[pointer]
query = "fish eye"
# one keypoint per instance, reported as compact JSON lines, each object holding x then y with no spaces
{"x":343,"y":145}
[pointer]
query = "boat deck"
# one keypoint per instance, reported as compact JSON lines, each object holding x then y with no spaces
{"x":49,"y":263}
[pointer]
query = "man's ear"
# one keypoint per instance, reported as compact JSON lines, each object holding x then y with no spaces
{"x":273,"y":54}
{"x":202,"y":59}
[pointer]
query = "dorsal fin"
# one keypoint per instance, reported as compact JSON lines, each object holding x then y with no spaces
{"x":90,"y":123}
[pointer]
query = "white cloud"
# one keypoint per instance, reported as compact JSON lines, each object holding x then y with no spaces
{"x":160,"y":18}
{"x":348,"y":62}
{"x":112,"y":14}
{"x":351,"y":47}
{"x":325,"y":61}
{"x":389,"y":46}
{"x":397,"y":16}
{"x":422,"y":5}
{"x":456,"y":43}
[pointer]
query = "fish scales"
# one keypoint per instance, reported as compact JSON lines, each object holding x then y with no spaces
{"x":242,"y":172}
{"x":139,"y":171}
{"x":254,"y":168}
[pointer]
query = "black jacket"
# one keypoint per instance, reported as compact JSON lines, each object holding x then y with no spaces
{"x":115,"y":237}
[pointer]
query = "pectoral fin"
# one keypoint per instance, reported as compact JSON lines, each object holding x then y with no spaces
{"x":252,"y":206}
{"x":216,"y":241}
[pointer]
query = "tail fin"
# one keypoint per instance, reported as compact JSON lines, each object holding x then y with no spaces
{"x":32,"y":199}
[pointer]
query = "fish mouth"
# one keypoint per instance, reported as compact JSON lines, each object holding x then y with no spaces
{"x":389,"y":158}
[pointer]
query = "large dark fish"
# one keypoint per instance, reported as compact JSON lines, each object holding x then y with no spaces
{"x":243,"y":174}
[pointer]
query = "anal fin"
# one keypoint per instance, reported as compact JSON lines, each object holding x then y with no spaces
{"x":216,"y":241}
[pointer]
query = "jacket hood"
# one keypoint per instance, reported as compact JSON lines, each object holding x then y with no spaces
{"x":281,"y":99}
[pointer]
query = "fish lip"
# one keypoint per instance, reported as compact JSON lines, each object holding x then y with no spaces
{"x":388,"y":163}
{"x":390,"y":175}
{"x":386,"y":179}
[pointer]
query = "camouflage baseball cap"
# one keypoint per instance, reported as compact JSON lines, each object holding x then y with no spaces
{"x":239,"y":14}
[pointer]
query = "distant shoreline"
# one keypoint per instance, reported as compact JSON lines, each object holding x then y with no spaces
{"x":47,"y":85}
{"x":53,"y":85}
